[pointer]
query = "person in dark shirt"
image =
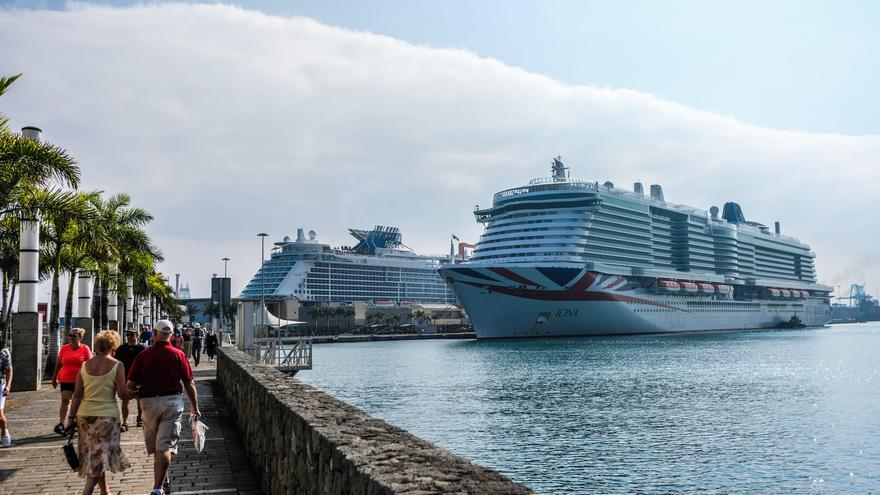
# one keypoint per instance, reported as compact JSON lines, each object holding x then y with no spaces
{"x":126,"y":354}
{"x":211,"y":344}
{"x":147,"y":336}
{"x":198,"y":335}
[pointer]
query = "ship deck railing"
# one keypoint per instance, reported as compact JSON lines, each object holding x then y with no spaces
{"x":286,"y":354}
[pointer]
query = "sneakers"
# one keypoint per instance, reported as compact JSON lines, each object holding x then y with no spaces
{"x":59,"y":429}
{"x":6,"y":441}
{"x":157,"y":491}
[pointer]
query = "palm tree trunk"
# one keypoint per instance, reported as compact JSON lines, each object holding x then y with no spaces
{"x":8,"y":321}
{"x":68,"y":303}
{"x":3,"y":314}
{"x":96,"y":301}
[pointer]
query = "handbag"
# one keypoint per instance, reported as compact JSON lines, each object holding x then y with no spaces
{"x":70,"y":451}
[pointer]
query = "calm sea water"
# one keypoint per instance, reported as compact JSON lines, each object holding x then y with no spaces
{"x":794,"y":411}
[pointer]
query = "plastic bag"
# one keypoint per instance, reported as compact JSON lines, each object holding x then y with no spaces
{"x":198,"y":432}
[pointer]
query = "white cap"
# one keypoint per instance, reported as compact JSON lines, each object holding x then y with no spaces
{"x":164,"y":326}
{"x":197,"y":325}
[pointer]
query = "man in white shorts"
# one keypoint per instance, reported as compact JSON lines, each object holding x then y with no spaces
{"x":160,"y":375}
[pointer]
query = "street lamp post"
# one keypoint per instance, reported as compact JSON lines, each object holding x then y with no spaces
{"x":222,"y":294}
{"x":262,"y":236}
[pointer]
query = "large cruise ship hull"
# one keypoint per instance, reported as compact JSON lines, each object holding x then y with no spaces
{"x":518,"y":301}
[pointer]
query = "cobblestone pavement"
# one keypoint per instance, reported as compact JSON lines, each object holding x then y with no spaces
{"x":35,"y":463}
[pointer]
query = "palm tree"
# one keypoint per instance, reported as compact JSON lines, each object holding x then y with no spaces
{"x":31,"y":176}
{"x":313,"y":313}
{"x":25,"y":165}
{"x":57,"y":233}
{"x":134,"y":252}
{"x":349,"y":313}
{"x":85,"y":248}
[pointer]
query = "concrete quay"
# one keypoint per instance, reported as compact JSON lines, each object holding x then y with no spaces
{"x":35,"y":464}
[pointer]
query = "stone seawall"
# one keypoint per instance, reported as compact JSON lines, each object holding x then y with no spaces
{"x":303,"y":441}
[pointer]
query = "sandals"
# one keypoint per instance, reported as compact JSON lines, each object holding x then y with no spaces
{"x":59,"y":429}
{"x":123,"y":428}
{"x":139,"y":423}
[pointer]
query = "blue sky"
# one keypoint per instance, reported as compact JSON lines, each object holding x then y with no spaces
{"x":800,"y":65}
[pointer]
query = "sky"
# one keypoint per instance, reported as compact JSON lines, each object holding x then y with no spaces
{"x":226,"y":121}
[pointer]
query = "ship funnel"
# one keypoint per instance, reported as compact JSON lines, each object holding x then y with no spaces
{"x":639,"y":189}
{"x":657,"y":192}
{"x":777,"y":228}
{"x":300,"y":235}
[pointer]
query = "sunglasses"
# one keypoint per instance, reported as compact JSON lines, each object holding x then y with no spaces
{"x":72,"y":335}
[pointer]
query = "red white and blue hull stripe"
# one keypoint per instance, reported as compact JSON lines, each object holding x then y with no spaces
{"x":504,"y":301}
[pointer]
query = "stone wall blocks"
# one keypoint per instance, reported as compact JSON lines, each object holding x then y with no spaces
{"x":303,"y":441}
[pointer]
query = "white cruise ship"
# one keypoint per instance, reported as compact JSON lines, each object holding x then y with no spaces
{"x":379,"y":268}
{"x":562,"y":256}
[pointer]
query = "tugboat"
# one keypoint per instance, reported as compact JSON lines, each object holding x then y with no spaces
{"x":794,"y":322}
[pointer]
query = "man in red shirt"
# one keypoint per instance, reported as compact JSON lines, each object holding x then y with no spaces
{"x":161,"y":374}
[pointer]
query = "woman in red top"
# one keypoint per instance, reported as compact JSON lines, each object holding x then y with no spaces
{"x":70,"y":360}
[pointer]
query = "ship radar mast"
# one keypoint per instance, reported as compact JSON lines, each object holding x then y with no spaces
{"x":559,"y":170}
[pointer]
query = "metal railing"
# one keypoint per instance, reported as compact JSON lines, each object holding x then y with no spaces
{"x":287,"y":354}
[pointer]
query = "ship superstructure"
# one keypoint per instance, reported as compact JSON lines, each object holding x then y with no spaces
{"x":563,"y":256}
{"x":378,"y":268}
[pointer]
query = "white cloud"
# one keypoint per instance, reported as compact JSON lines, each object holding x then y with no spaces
{"x":225,"y":122}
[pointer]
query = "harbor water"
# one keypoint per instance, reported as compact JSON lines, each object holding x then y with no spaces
{"x":789,"y":411}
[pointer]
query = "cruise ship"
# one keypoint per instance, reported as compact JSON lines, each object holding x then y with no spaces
{"x":563,"y":257}
{"x":379,"y":268}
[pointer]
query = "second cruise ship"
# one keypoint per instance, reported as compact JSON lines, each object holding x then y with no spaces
{"x":562,"y":256}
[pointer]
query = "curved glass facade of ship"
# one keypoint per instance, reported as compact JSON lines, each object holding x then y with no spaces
{"x":378,"y":268}
{"x":555,"y":231}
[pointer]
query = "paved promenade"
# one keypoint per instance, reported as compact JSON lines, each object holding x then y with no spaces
{"x":35,"y":463}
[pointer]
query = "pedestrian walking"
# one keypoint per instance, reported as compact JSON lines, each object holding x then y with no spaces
{"x":96,"y":415}
{"x":67,"y":366}
{"x":160,"y":375}
{"x":126,"y":354}
{"x":147,"y":336}
{"x":198,"y":338}
{"x":176,"y":340}
{"x":5,"y":384}
{"x":186,"y":333}
{"x":211,"y":344}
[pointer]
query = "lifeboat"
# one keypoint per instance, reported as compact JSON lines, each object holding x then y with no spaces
{"x":805,"y":293}
{"x":773,"y":292}
{"x":723,"y":289}
{"x":785,"y":293}
{"x":668,"y":286}
{"x":706,"y":289}
{"x":689,"y":287}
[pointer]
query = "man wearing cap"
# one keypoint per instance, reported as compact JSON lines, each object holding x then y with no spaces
{"x":161,"y":374}
{"x":126,"y":353}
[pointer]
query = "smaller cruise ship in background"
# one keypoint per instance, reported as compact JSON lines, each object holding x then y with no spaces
{"x":379,"y":269}
{"x":562,"y":256}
